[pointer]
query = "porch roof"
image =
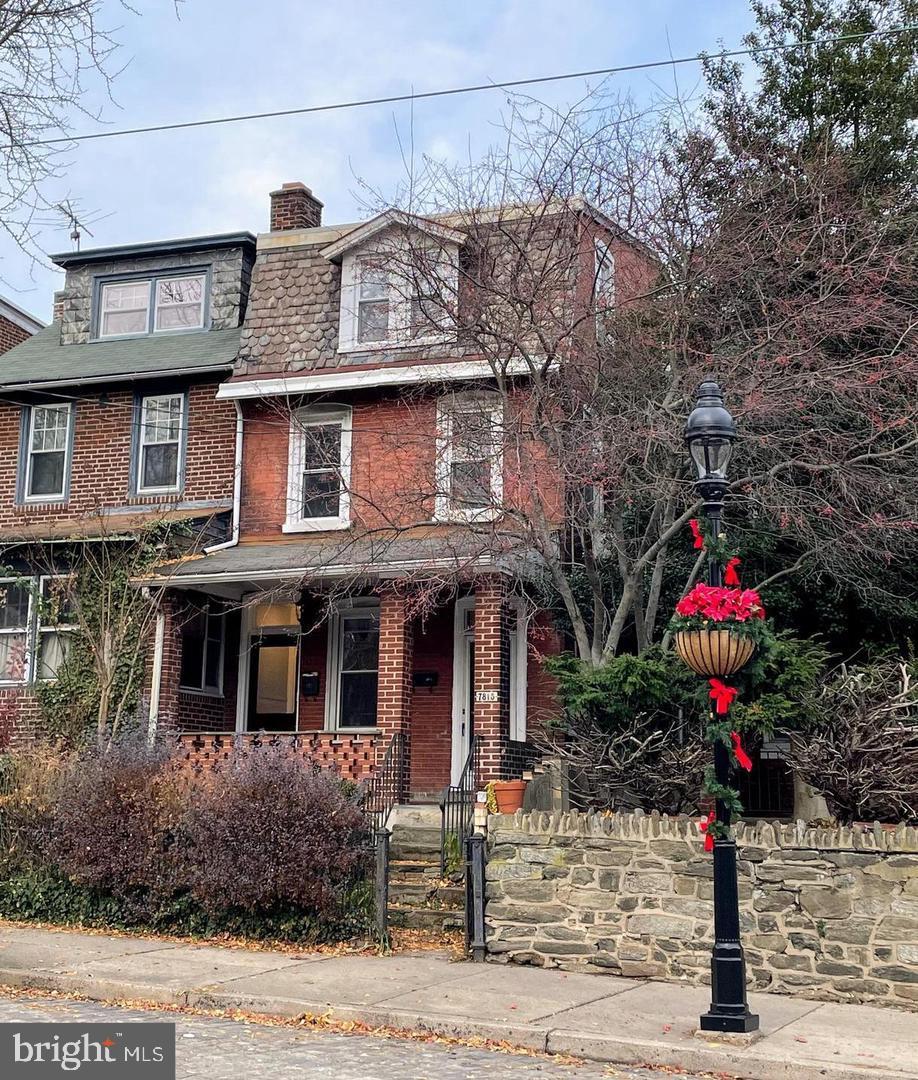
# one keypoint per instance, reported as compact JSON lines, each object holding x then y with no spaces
{"x":378,"y":556}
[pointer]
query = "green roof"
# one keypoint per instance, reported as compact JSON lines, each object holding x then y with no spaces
{"x":41,"y":360}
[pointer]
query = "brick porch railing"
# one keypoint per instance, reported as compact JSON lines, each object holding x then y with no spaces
{"x":351,"y":756}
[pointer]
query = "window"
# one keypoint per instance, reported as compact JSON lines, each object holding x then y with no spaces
{"x":319,"y":470}
{"x":603,"y":285}
{"x":469,"y":457}
{"x":202,"y":648}
{"x":15,"y":614}
{"x":142,"y":305}
{"x":519,"y":660}
{"x":353,"y":674}
{"x":56,"y":625}
{"x":386,"y":301}
{"x":47,"y":452}
{"x":160,"y":442}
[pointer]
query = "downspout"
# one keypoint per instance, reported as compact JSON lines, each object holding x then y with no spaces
{"x":156,"y":678}
{"x":237,"y":487}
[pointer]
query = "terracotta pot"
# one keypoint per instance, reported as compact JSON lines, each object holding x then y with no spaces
{"x":714,"y":652}
{"x":509,"y":795}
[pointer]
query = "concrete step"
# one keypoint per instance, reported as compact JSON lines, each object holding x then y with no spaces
{"x":414,"y":868}
{"x":420,"y":918}
{"x":428,"y":895}
{"x":415,"y":844}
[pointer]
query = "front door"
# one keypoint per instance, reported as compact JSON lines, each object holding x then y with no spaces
{"x":463,"y":684}
{"x":272,"y":683}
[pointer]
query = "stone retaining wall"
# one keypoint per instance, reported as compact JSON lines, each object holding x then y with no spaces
{"x":826,"y":913}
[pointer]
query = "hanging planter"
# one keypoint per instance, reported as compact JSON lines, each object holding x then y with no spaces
{"x":717,"y":629}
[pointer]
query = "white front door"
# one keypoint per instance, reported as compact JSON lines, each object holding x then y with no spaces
{"x":463,"y":684}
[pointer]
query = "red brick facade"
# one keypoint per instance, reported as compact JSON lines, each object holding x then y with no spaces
{"x":293,"y":206}
{"x":11,"y":334}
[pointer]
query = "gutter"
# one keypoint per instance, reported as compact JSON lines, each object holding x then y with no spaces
{"x":92,"y":380}
{"x":237,"y":488}
{"x":156,"y":678}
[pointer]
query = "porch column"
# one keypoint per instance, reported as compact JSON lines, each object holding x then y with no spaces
{"x":491,"y":703}
{"x":396,"y":647}
{"x":165,"y":710}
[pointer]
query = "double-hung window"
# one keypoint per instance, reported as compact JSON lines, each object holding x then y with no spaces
{"x":15,"y":617}
{"x":47,"y":450}
{"x":353,"y":672}
{"x":373,"y":302}
{"x":202,"y":648}
{"x":160,"y":442}
{"x":603,"y":286}
{"x":319,"y":470}
{"x":164,"y":302}
{"x":56,"y":625}
{"x":469,"y":457}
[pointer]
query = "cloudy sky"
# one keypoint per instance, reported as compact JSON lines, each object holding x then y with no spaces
{"x":220,"y":57}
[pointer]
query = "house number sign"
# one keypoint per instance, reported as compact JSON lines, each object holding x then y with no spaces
{"x":483,"y":697}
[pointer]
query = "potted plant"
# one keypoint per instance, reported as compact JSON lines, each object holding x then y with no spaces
{"x":717,"y":629}
{"x":506,"y":794}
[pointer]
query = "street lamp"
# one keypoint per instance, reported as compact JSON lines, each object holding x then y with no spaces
{"x":709,"y":436}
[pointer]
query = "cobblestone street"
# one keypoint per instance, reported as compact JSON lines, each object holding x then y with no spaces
{"x":218,"y":1049}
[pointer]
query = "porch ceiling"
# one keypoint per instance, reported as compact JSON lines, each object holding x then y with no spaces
{"x":249,"y":566}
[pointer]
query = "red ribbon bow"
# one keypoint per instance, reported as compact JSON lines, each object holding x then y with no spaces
{"x":742,"y":758}
{"x":722,"y":695}
{"x":696,"y":532}
{"x":730,"y":575}
{"x":705,"y":826}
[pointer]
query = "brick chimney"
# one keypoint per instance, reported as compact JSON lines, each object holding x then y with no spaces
{"x":293,"y":206}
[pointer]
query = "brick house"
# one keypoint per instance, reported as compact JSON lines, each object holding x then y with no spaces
{"x":108,"y":422}
{"x":360,"y":596}
{"x":15,"y":325}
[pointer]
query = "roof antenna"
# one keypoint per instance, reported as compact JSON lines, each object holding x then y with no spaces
{"x":77,"y":228}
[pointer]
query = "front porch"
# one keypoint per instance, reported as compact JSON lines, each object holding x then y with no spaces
{"x":338,"y":680}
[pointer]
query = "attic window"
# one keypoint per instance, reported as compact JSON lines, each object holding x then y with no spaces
{"x":397,"y":297}
{"x":166,"y":302}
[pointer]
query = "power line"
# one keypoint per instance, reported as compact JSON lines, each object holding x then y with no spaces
{"x":472,"y":89}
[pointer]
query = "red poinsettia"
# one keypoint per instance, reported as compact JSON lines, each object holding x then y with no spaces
{"x":720,"y":604}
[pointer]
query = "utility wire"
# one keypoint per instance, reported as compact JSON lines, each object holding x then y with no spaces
{"x":473,"y":89}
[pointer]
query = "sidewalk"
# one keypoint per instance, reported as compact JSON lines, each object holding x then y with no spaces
{"x":628,"y":1021}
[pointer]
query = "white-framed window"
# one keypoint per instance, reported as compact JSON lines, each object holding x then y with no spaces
{"x":603,"y":284}
{"x":319,"y":469}
{"x":519,"y":668}
{"x":47,"y":452}
{"x":202,"y":634}
{"x":470,"y":458}
{"x":397,"y":296}
{"x":56,"y":625}
{"x":352,"y":678}
{"x":160,"y":441}
{"x":15,"y":621}
{"x":164,"y":302}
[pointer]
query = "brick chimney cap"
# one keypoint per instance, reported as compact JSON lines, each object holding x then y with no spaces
{"x":296,"y":185}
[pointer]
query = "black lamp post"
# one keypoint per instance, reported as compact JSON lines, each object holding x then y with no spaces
{"x":709,"y":435}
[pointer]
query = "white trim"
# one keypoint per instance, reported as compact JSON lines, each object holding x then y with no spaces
{"x":359,"y":234}
{"x":331,"y":570}
{"x":462,"y":691}
{"x":48,"y":628}
{"x":237,"y":488}
{"x":336,"y":621}
{"x":447,"y":371}
{"x":157,"y":676}
{"x":519,"y":669}
{"x":316,"y":417}
{"x":447,"y":407}
{"x":246,"y":623}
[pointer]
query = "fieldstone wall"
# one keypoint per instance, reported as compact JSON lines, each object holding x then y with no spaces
{"x":826,"y":913}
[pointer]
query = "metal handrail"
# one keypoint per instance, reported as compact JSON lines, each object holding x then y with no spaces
{"x":386,"y":787}
{"x":457,"y":812}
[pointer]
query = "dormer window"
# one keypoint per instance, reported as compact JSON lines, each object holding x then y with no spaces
{"x":166,"y":302}
{"x":399,"y":283}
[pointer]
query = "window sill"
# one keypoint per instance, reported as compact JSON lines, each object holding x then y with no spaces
{"x":390,"y":346}
{"x":147,"y":493}
{"x":33,"y":501}
{"x":465,"y":517}
{"x":316,"y":525}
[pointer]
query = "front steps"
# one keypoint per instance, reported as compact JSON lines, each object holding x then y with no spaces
{"x":418,"y":897}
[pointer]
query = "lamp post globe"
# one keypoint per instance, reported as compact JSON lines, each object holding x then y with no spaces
{"x":709,"y":435}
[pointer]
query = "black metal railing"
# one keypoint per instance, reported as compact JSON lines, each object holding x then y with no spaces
{"x":457,"y":813}
{"x":386,"y":787}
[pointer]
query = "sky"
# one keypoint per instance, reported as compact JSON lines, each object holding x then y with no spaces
{"x":220,"y":57}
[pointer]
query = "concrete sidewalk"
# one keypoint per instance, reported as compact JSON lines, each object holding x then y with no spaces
{"x":604,"y":1018}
